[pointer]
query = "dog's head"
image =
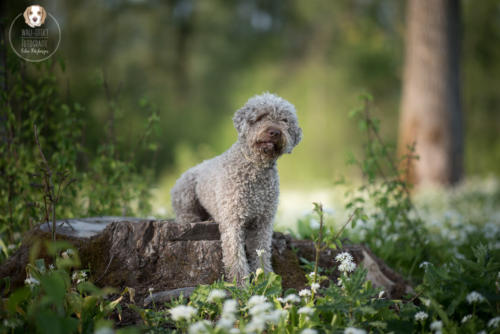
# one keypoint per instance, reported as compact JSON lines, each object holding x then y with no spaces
{"x":268,"y":125}
{"x":34,"y":16}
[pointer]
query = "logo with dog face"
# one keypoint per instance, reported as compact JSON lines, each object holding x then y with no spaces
{"x":38,"y":37}
{"x":34,"y":16}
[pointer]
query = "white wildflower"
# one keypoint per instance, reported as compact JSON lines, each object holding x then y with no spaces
{"x":182,"y":312}
{"x":306,"y":310}
{"x":315,"y":287}
{"x":344,"y":256}
{"x":259,"y":272}
{"x":234,"y":331}
{"x":346,"y":262}
{"x":260,"y":252}
{"x":255,"y":300}
{"x":150,"y":290}
{"x":347,"y":266}
{"x":314,"y":224}
{"x":426,"y":302}
{"x":353,"y":330}
{"x":216,"y":294}
{"x":228,"y":317}
{"x":51,"y":267}
{"x":230,"y":306}
{"x":260,"y":308}
{"x":75,"y":276}
{"x":309,"y":331}
{"x":281,"y":300}
{"x":424,"y":265}
{"x":225,"y":323}
{"x":466,"y":318}
{"x":11,"y":247}
{"x":474,"y":297}
{"x":31,"y":281}
{"x":494,"y":322}
{"x":257,"y":324}
{"x":420,"y":316}
{"x":275,"y":316}
{"x":292,"y":298}
{"x":199,"y":327}
{"x":304,"y":292}
{"x":436,"y":326}
{"x":311,"y":274}
{"x":381,"y":294}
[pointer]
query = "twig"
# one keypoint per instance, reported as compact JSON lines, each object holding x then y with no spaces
{"x":344,"y":226}
{"x":49,"y":187}
{"x":106,"y":269}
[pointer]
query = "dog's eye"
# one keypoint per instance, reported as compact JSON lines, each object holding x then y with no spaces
{"x":38,"y":12}
{"x":260,"y":117}
{"x":31,"y":12}
{"x":284,"y":120}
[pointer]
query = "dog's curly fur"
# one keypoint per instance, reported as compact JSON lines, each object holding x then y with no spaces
{"x":239,"y":189}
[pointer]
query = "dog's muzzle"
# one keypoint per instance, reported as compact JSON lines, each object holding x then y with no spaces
{"x":271,"y":142}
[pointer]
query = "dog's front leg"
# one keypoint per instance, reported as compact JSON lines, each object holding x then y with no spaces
{"x":260,"y":238}
{"x":233,"y":250}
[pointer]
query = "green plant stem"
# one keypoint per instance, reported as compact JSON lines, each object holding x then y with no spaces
{"x":318,"y":244}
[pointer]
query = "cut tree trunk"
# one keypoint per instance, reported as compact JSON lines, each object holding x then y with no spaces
{"x":172,"y":258}
{"x":431,"y":115}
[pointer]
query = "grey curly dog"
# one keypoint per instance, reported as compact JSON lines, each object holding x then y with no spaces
{"x":239,"y":189}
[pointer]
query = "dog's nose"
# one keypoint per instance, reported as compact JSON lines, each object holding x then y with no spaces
{"x":273,"y":132}
{"x":35,"y":18}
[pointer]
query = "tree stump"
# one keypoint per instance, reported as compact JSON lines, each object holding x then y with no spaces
{"x":169,"y":257}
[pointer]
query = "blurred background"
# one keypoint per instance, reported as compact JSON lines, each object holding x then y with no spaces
{"x":196,"y":62}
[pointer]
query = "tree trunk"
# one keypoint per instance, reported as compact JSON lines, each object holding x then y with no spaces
{"x":431,"y":117}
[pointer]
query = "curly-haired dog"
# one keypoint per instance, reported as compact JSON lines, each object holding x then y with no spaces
{"x":239,"y":189}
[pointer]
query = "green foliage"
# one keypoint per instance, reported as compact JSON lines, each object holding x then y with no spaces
{"x":57,"y":298}
{"x":54,"y":174}
{"x":448,"y":288}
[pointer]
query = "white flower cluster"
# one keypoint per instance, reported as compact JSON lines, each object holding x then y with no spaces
{"x":420,"y":316}
{"x":260,"y":252}
{"x":291,"y":298}
{"x":182,"y":312}
{"x":79,"y":276}
{"x":228,"y":317}
{"x":475,"y":297}
{"x":315,"y":287}
{"x":494,"y":322}
{"x":216,"y":294}
{"x":309,"y":331}
{"x":200,"y":327}
{"x":353,"y":330}
{"x":466,"y":318}
{"x":436,"y":326}
{"x":306,"y":310}
{"x":304,"y":292}
{"x":31,"y":281}
{"x":262,"y":313}
{"x":346,"y":262}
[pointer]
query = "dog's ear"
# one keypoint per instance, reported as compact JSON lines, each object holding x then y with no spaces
{"x":240,"y":119}
{"x":26,"y":13}
{"x":296,"y":137}
{"x":44,"y":15}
